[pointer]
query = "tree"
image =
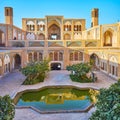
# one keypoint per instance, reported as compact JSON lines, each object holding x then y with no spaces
{"x":108,"y":104}
{"x":35,"y":71}
{"x":79,"y":71}
{"x":7,"y":109}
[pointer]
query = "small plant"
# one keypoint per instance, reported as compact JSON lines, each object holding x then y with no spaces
{"x":7,"y":108}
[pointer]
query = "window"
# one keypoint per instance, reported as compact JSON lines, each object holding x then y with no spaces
{"x":55,"y":56}
{"x":80,"y":56}
{"x":113,"y":70}
{"x":71,"y":56}
{"x":51,"y":56}
{"x":30,"y":57}
{"x":40,"y":57}
{"x":76,"y":56}
{"x":67,"y":27}
{"x":35,"y":56}
{"x":60,"y":56}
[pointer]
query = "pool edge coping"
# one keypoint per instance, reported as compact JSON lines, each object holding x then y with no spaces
{"x":52,"y":112}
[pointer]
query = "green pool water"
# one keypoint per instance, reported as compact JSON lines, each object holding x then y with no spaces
{"x":57,"y":99}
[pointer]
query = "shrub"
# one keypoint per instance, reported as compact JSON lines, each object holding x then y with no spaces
{"x":7,"y":109}
{"x":35,"y":72}
{"x":79,"y":71}
{"x":108,"y":104}
{"x":81,"y":79}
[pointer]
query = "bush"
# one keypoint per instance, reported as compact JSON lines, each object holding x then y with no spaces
{"x":40,"y":78}
{"x":108,"y":104}
{"x":81,"y":79}
{"x":35,"y":72}
{"x":79,"y":71}
{"x":7,"y":109}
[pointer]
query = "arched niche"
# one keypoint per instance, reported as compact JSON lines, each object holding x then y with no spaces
{"x":41,"y":36}
{"x":17,"y":61}
{"x":54,"y":31}
{"x":108,"y":36}
{"x":67,"y":37}
{"x":2,"y":39}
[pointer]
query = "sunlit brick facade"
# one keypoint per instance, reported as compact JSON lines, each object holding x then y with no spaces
{"x":64,"y":41}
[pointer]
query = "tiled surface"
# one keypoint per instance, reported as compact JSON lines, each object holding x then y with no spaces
{"x":11,"y":84}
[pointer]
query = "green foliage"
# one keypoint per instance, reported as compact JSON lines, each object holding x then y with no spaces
{"x":108,"y":104}
{"x":81,"y":79}
{"x":7,"y":109}
{"x":79,"y":71}
{"x":35,"y":72}
{"x":80,"y":68}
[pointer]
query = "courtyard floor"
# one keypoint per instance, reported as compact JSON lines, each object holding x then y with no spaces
{"x":11,"y":84}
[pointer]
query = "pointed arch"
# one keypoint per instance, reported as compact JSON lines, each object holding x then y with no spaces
{"x":108,"y":36}
{"x":71,"y":57}
{"x":30,"y":57}
{"x":2,"y":39}
{"x":60,"y":56}
{"x":113,"y":59}
{"x":51,"y":56}
{"x":35,"y":56}
{"x":54,"y":32}
{"x":94,"y":59}
{"x":17,"y":61}
{"x":55,"y":56}
{"x":40,"y":56}
{"x":41,"y":36}
{"x":67,"y":36}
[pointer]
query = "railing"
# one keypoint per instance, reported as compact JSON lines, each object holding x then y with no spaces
{"x":17,"y":43}
{"x":54,"y":43}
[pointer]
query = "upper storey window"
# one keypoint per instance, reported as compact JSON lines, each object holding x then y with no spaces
{"x":67,"y":26}
{"x":40,"y":26}
{"x":77,"y":26}
{"x":30,"y":26}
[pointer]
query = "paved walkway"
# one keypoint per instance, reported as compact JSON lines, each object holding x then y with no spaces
{"x":11,"y":84}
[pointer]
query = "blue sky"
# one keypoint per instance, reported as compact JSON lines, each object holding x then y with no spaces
{"x":108,"y":9}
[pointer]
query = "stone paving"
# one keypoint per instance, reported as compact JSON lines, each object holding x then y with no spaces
{"x":11,"y":84}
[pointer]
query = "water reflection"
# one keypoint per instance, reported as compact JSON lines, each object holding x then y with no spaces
{"x":58,"y":98}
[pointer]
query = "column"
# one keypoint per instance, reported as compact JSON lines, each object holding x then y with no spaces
{"x":32,"y":56}
{"x":65,"y":58}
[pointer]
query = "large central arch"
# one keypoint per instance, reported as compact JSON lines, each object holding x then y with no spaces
{"x":54,"y":31}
